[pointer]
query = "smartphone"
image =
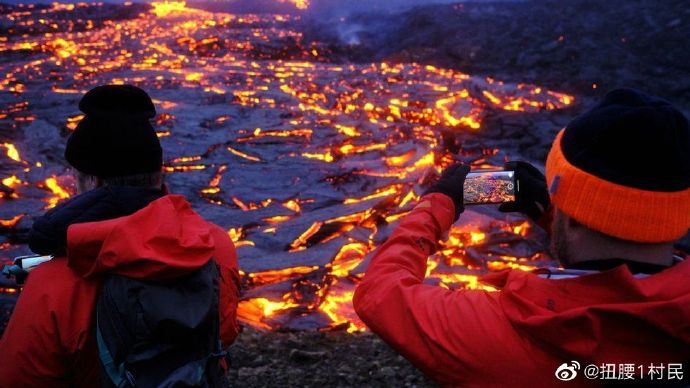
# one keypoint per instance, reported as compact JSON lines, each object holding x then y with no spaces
{"x":482,"y":187}
{"x":22,"y":265}
{"x":29,"y":262}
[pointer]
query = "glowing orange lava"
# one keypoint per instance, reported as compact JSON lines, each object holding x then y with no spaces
{"x":308,"y":165}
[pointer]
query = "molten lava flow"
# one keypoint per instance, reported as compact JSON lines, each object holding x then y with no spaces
{"x":301,"y":241}
{"x":348,"y":258}
{"x":190,"y":167}
{"x":335,"y":305}
{"x":165,"y":8}
{"x":308,"y":165}
{"x":258,"y":134}
{"x":477,"y":237}
{"x":299,"y":4}
{"x":11,"y":222}
{"x":253,"y":311}
{"x":59,"y":193}
{"x":293,"y":205}
{"x":399,"y":160}
{"x":237,"y":235}
{"x":11,"y":181}
{"x":12,"y":152}
{"x":269,"y":277}
{"x":73,"y":121}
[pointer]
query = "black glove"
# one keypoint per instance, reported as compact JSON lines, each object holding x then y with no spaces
{"x":451,"y":184}
{"x":533,"y":197}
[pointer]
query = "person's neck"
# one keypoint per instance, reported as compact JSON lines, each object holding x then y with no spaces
{"x":593,"y":248}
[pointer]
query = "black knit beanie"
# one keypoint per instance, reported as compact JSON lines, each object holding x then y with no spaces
{"x":632,"y":139}
{"x":115,"y":137}
{"x":623,"y":168}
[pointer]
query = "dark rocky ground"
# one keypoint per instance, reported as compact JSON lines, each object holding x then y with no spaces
{"x":314,"y":359}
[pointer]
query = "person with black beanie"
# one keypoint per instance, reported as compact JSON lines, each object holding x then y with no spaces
{"x":123,"y":228}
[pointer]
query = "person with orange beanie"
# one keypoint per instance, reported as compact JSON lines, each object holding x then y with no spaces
{"x":618,"y":187}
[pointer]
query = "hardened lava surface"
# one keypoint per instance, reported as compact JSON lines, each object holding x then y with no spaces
{"x":308,"y":164}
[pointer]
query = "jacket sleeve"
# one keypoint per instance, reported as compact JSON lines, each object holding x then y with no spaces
{"x":446,"y":334}
{"x":35,"y":350}
{"x":226,"y":257}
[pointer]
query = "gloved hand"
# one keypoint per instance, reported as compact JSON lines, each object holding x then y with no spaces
{"x":451,"y":184}
{"x":533,"y":197}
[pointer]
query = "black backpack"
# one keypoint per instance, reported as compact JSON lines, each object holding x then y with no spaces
{"x":160,"y":334}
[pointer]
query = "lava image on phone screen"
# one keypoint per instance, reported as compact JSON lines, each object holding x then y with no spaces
{"x":489,"y":187}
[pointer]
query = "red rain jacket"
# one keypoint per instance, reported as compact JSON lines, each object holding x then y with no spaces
{"x":49,"y":341}
{"x":520,"y":335}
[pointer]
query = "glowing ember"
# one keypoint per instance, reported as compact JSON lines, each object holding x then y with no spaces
{"x":11,"y":222}
{"x":268,"y":277}
{"x":73,"y":121}
{"x":11,"y":181}
{"x":237,"y":235}
{"x":12,"y":152}
{"x":477,"y":237}
{"x":253,"y":311}
{"x":243,"y":155}
{"x":334,"y":306}
{"x":348,"y":258}
{"x":299,"y":4}
{"x":293,"y":205}
{"x":301,"y":241}
{"x":59,"y":193}
{"x":165,"y":8}
{"x":383,"y":192}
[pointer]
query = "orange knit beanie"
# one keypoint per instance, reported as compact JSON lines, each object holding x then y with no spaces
{"x":623,"y":169}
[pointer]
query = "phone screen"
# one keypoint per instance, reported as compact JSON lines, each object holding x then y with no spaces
{"x":489,"y":187}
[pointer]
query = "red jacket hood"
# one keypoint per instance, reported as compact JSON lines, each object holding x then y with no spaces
{"x":164,"y":240}
{"x":604,"y":317}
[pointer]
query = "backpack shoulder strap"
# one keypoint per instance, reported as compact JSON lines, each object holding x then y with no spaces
{"x":116,"y":374}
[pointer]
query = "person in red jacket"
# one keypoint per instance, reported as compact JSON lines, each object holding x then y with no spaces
{"x":619,"y":181}
{"x":123,"y":222}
